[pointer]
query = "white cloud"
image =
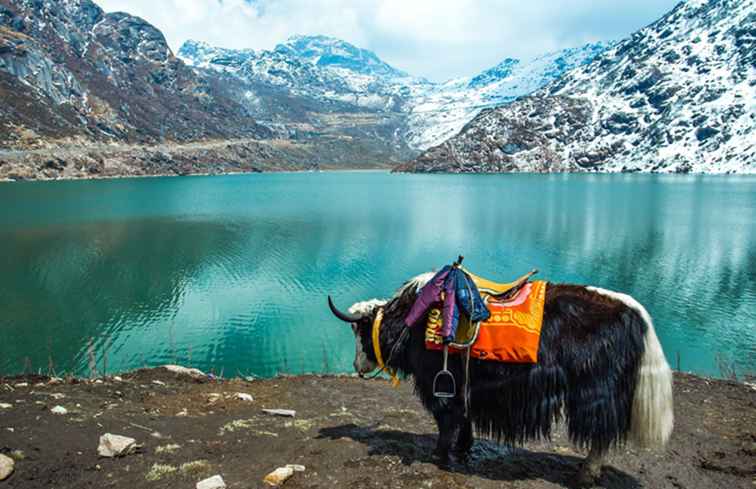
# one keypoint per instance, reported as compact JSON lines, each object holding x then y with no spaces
{"x":438,"y":39}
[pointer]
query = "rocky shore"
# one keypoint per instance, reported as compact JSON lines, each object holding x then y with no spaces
{"x":333,"y":432}
{"x":93,"y":160}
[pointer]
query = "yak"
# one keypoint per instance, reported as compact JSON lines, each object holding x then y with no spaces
{"x":601,"y":370}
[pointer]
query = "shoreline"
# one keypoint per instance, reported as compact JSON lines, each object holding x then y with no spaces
{"x":346,"y":432}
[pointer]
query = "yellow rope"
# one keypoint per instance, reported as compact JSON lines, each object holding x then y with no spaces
{"x":377,"y":347}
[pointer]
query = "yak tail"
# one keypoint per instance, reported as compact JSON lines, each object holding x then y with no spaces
{"x":652,"y":415}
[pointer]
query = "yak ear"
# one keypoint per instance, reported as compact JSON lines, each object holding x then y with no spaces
{"x":346,"y":317}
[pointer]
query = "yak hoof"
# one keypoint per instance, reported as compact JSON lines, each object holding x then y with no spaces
{"x":443,"y":460}
{"x":586,"y":477}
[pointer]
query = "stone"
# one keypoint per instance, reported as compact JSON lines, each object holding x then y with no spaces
{"x":244,"y":397}
{"x":214,"y":482}
{"x":5,"y":405}
{"x":115,"y":445}
{"x":158,"y":382}
{"x":288,"y":413}
{"x":55,"y":381}
{"x":191,"y":372}
{"x":278,"y":476}
{"x":213,"y":397}
{"x":7,"y":466}
{"x":117,"y":379}
{"x":57,"y":396}
{"x":59,"y":410}
{"x":296,"y":467}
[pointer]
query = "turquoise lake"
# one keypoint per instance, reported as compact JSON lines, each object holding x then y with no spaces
{"x":230,"y":274}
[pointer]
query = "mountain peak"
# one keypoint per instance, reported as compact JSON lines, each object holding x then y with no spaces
{"x":326,"y":51}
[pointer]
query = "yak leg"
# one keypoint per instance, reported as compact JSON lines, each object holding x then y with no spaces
{"x":450,"y":420}
{"x":590,"y":470}
{"x":465,"y":439}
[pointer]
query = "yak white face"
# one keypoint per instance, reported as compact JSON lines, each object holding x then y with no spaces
{"x":363,"y":364}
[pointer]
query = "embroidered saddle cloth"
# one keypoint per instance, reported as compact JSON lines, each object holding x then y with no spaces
{"x":512,"y":333}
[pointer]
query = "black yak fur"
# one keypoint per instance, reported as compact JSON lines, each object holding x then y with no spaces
{"x":590,"y":350}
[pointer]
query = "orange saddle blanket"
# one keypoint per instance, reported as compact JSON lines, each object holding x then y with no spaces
{"x":512,"y":333}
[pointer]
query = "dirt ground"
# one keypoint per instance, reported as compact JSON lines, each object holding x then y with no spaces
{"x":347,"y":432}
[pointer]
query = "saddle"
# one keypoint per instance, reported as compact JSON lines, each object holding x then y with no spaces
{"x":501,"y":291}
{"x":512,"y":332}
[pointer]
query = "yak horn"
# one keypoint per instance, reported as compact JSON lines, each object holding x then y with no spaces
{"x":349,"y":318}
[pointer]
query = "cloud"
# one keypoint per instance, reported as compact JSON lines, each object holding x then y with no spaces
{"x":438,"y":39}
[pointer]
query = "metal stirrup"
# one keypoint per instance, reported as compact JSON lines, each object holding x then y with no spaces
{"x":443,"y":374}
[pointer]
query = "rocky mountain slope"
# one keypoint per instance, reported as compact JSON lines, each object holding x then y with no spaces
{"x":69,"y":71}
{"x":676,"y":96}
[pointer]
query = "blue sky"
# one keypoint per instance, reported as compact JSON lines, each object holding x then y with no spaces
{"x":437,"y":39}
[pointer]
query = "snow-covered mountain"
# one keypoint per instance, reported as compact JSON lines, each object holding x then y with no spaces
{"x":441,"y":111}
{"x":331,"y":70}
{"x":676,"y":96}
{"x":318,"y":67}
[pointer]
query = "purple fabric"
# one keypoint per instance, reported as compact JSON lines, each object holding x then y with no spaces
{"x":450,"y":303}
{"x":429,"y":294}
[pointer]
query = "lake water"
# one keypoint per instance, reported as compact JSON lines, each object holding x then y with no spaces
{"x":230,"y":274}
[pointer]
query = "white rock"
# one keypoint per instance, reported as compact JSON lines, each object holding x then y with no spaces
{"x":5,"y":405}
{"x":183,"y":412}
{"x":214,"y":482}
{"x":98,"y":381}
{"x":54,"y":381}
{"x":22,"y":384}
{"x":57,"y":395}
{"x":117,"y":379}
{"x":296,"y":467}
{"x":278,"y":476}
{"x":6,"y":466}
{"x":115,"y":445}
{"x":178,"y":369}
{"x":289,"y":413}
{"x":59,"y":410}
{"x":158,"y":382}
{"x":244,"y":397}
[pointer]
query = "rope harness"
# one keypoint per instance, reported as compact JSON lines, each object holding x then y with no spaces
{"x":382,"y":367}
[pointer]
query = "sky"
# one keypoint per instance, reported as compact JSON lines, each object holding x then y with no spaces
{"x":436,"y":39}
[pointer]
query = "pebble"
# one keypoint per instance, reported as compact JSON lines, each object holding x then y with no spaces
{"x":59,"y":410}
{"x":296,"y":467}
{"x":289,"y":413}
{"x":5,"y":405}
{"x":118,"y":378}
{"x":115,"y":445}
{"x":158,"y":382}
{"x":55,"y":381}
{"x":244,"y":397}
{"x":278,"y":476}
{"x":57,"y":395}
{"x":22,"y":384}
{"x":6,"y":466}
{"x":214,"y":482}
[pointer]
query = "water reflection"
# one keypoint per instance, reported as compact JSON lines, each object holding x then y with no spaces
{"x":230,"y":273}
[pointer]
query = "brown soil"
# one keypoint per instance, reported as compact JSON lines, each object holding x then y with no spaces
{"x":348,"y":432}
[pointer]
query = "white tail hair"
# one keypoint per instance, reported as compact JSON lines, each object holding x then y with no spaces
{"x":652,"y":412}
